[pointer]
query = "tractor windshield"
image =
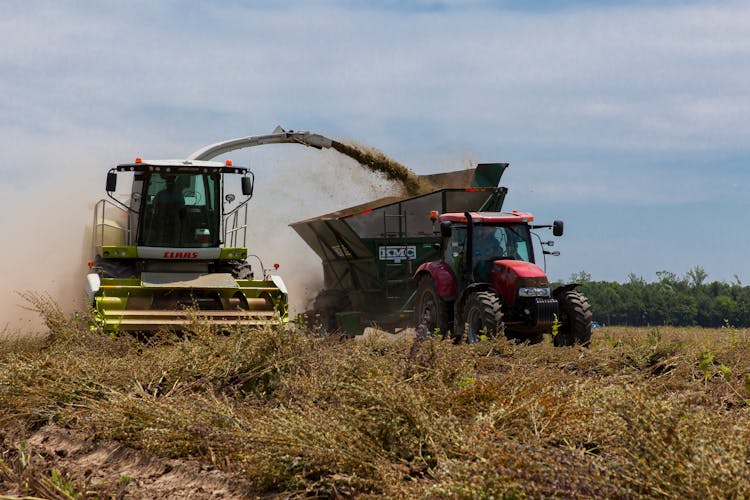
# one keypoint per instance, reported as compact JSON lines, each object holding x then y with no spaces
{"x":180,"y":210}
{"x":491,"y":243}
{"x":511,"y":241}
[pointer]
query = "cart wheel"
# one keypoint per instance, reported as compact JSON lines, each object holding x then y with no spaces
{"x":432,"y":312}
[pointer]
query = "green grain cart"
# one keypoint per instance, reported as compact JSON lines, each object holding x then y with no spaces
{"x":370,"y":252}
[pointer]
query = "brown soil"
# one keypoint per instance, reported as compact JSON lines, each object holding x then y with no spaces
{"x":107,"y":469}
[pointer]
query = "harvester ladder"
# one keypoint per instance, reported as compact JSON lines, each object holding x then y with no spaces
{"x":391,"y":284}
{"x":102,"y":223}
{"x":234,"y":232}
{"x":393,"y":269}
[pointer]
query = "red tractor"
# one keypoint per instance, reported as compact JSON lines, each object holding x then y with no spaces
{"x":486,"y":283}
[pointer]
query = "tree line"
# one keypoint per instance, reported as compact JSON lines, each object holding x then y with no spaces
{"x":689,"y":300}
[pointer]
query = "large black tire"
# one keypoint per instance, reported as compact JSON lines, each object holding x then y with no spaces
{"x":433,"y":314}
{"x":483,"y":315}
{"x":575,"y":320}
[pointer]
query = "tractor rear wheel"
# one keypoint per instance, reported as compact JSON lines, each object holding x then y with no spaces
{"x":575,"y":320}
{"x":483,"y":315}
{"x":432,"y":312}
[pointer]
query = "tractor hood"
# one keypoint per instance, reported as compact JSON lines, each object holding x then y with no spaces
{"x":508,"y":275}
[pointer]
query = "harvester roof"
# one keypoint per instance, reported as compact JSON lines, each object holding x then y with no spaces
{"x":512,"y":217}
{"x":188,"y":166}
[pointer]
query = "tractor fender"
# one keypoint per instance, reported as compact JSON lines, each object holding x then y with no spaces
{"x":564,"y":288}
{"x":442,"y":275}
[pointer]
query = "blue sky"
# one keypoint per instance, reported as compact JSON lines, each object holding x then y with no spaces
{"x":629,"y":120}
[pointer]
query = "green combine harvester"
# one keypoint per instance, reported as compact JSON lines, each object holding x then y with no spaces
{"x":174,"y":252}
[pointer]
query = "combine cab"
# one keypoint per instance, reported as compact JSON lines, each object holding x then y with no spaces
{"x":370,"y":252}
{"x":172,"y":254}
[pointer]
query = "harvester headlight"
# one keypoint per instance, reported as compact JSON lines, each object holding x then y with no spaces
{"x":533,"y":292}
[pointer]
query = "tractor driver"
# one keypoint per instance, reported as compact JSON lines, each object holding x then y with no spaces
{"x":487,"y":248}
{"x":169,"y":210}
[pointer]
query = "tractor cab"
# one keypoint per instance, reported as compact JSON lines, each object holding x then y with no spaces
{"x":482,"y":239}
{"x":488,"y":283}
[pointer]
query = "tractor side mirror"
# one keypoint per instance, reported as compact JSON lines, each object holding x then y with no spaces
{"x":111,"y":182}
{"x":247,"y":186}
{"x":557,"y":228}
{"x":445,"y":229}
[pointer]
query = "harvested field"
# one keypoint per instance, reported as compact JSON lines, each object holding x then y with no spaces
{"x":645,"y":412}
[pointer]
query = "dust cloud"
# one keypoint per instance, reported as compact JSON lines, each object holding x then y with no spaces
{"x":45,"y":250}
{"x":299,"y":185}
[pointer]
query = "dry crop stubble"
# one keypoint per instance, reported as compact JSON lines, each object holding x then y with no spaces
{"x":288,"y":413}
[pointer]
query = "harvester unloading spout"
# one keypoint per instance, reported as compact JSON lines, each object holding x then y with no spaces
{"x":278,"y":136}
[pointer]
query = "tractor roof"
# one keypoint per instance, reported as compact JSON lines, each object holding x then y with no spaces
{"x":512,"y":217}
{"x":190,"y":166}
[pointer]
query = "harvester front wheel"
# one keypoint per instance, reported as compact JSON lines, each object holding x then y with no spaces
{"x":114,"y":268}
{"x":432,"y":312}
{"x":483,"y":315}
{"x":575,"y":320}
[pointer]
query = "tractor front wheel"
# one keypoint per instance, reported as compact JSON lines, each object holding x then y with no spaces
{"x":575,"y":320}
{"x":483,"y":316}
{"x":432,"y":312}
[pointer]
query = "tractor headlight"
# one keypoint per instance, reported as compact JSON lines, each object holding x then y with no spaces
{"x":533,"y":291}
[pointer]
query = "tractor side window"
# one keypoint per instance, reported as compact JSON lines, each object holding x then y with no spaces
{"x":454,"y":254}
{"x":518,"y":244}
{"x":522,"y":250}
{"x":457,"y":241}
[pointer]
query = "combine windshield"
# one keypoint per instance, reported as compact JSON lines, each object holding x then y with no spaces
{"x":180,"y":210}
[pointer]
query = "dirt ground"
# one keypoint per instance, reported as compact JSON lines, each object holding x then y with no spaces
{"x":107,"y":469}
